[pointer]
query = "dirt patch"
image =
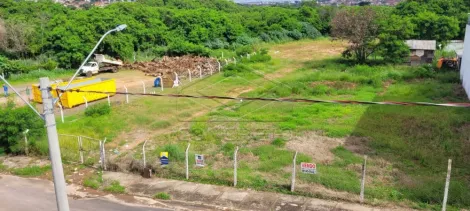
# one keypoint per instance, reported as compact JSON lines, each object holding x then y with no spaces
{"x":308,"y":50}
{"x":335,"y":84}
{"x":320,"y":190}
{"x":180,"y":65}
{"x":357,"y":145}
{"x":23,"y":161}
{"x":317,"y":146}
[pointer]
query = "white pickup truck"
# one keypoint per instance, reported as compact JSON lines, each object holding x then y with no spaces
{"x":102,"y":64}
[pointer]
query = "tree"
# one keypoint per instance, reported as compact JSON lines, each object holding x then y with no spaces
{"x":358,"y":26}
{"x":435,"y":27}
{"x":394,"y":30}
{"x":15,"y":37}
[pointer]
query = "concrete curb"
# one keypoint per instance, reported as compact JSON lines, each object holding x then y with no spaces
{"x":224,"y":198}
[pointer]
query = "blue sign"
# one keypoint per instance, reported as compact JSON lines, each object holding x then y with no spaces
{"x":164,"y":161}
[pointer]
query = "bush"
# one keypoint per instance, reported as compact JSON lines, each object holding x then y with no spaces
{"x":179,"y":48}
{"x":265,"y":37}
{"x":246,"y":40}
{"x":216,"y":44}
{"x":296,"y":35}
{"x":228,"y":149}
{"x":98,"y":110}
{"x":233,"y":69}
{"x":310,"y":31}
{"x":243,"y":50}
{"x":279,"y":142}
{"x":425,"y":71}
{"x":13,"y":122}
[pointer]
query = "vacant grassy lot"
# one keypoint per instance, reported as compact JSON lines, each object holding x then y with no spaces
{"x":408,"y":147}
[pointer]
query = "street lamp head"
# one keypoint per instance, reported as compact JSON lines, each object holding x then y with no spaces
{"x":121,"y":27}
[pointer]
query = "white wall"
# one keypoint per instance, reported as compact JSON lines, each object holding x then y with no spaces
{"x":465,"y":68}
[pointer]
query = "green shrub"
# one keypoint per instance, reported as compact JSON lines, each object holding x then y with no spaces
{"x":91,"y":183}
{"x":295,"y":34}
{"x":181,"y":47}
{"x":234,"y":69}
{"x":310,"y":31}
{"x":115,"y":187}
{"x":94,"y":181}
{"x":228,"y":149}
{"x":279,"y":142}
{"x":243,"y":50}
{"x":162,"y":195}
{"x":13,"y":122}
{"x":98,"y":110}
{"x":197,"y":128}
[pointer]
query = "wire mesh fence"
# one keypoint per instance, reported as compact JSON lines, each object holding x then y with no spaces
{"x":80,"y":149}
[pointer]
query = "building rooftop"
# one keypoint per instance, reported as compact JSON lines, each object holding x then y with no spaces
{"x":421,"y":44}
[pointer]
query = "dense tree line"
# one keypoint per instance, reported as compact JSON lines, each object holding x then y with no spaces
{"x":162,"y":26}
{"x":381,"y":31}
{"x":65,"y":35}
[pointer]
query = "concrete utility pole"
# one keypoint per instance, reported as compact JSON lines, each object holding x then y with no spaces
{"x":54,"y":149}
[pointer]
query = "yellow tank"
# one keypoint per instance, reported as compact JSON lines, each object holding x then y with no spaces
{"x":71,"y":99}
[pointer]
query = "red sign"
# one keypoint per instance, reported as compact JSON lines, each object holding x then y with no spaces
{"x":308,"y":168}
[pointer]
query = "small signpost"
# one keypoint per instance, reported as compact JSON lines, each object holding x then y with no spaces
{"x":199,"y":160}
{"x":164,"y":158}
{"x":308,"y":168}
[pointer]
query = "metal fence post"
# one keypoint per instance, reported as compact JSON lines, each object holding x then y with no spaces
{"x":80,"y":146}
{"x":200,"y":71}
{"x":187,"y":162}
{"x":127,"y":95}
{"x":446,"y":190}
{"x":109,"y":101}
{"x":143,"y":86}
{"x":210,"y":68}
{"x":86,"y":102}
{"x":104,"y":154}
{"x":294,"y":163}
{"x":26,"y":143}
{"x":143,"y":154}
{"x":189,"y":73}
{"x":61,"y":112}
{"x":235,"y":167}
{"x":363,"y":181}
{"x":101,"y":154}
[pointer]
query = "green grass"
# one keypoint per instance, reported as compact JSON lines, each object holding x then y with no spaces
{"x":279,"y":142}
{"x":31,"y":171}
{"x":33,"y":76}
{"x":408,"y":147}
{"x":115,"y":187}
{"x":3,"y":168}
{"x":162,"y":195}
{"x":94,"y":181}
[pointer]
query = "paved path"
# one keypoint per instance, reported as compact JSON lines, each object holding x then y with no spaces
{"x":21,"y":194}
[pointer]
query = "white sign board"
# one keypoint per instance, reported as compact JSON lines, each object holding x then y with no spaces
{"x":199,"y":160}
{"x":308,"y":168}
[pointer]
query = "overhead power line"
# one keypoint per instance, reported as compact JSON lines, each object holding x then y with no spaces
{"x":292,"y":100}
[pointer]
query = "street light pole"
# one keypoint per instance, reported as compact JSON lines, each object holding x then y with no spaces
{"x":54,"y":149}
{"x":119,"y":28}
